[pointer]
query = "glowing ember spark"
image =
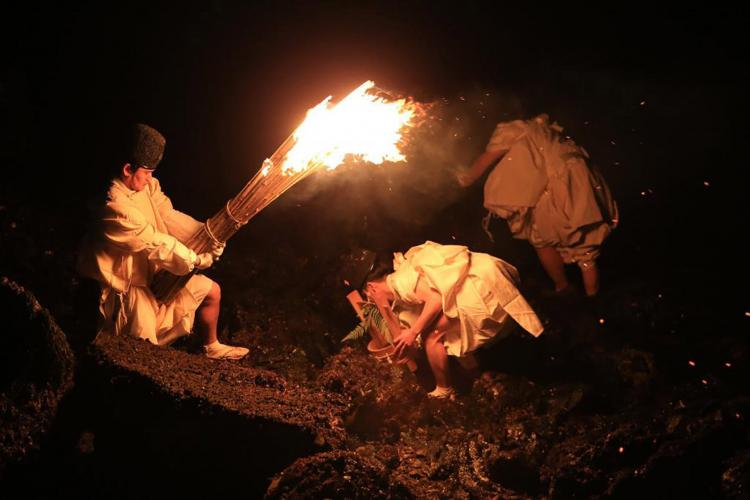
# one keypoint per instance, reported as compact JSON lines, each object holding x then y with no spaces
{"x":361,"y":125}
{"x":691,"y":363}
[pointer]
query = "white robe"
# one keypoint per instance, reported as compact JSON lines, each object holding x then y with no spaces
{"x":139,"y":233}
{"x":478,"y":289}
{"x":545,"y":190}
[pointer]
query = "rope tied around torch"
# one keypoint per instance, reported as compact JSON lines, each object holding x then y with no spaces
{"x":255,"y":196}
{"x":237,"y":223}
{"x":214,"y":239}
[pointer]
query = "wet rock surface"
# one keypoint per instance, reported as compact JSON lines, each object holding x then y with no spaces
{"x":621,"y":397}
{"x":335,"y":474}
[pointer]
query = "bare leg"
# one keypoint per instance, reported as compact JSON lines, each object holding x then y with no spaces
{"x":437,"y":357}
{"x":206,"y":320}
{"x":590,"y":276}
{"x":207,"y":316}
{"x":553,"y":264}
{"x":469,"y":363}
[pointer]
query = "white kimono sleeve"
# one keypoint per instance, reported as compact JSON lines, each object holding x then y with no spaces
{"x":129,"y":230}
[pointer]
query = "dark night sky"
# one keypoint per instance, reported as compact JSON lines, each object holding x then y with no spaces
{"x":227,"y":81}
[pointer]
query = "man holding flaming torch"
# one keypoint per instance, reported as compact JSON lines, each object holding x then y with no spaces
{"x":145,"y":253}
{"x":139,"y":232}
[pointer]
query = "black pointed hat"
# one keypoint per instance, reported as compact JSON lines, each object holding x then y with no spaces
{"x":146,"y":147}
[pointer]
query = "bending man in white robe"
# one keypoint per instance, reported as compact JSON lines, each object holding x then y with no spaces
{"x":454,"y":299}
{"x":544,"y":187}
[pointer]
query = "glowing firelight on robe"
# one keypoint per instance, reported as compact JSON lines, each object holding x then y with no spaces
{"x":362,"y":125}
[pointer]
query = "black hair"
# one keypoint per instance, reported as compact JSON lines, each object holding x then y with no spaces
{"x":379,"y":270}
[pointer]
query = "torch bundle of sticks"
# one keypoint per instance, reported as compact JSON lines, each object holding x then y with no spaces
{"x":266,"y":185}
{"x":361,"y":124}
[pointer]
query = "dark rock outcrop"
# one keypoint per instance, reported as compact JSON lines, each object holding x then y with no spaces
{"x":36,"y":371}
{"x":171,"y":413}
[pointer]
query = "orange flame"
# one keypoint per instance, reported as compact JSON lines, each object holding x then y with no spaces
{"x":361,"y":125}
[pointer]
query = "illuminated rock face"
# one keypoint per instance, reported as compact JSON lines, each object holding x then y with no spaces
{"x":170,"y":414}
{"x":36,"y":370}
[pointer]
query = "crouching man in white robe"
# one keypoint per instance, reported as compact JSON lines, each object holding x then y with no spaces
{"x":451,"y":298}
{"x":137,"y":232}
